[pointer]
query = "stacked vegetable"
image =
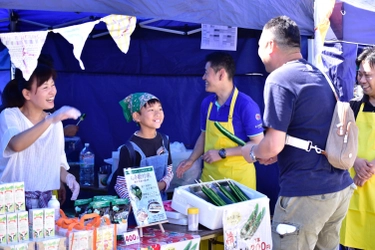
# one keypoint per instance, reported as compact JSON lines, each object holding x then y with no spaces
{"x":221,"y":196}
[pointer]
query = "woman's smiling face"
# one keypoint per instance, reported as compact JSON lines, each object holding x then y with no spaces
{"x":43,"y":96}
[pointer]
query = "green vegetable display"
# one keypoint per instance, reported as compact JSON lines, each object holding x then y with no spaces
{"x":228,"y":134}
{"x":214,"y":197}
{"x":253,"y":223}
{"x":227,"y":194}
{"x":237,"y":191}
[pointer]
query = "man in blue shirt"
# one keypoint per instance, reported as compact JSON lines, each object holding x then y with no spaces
{"x":314,"y":196}
{"x":236,"y":112}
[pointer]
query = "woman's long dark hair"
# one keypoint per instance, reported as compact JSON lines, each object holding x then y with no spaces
{"x":12,"y":94}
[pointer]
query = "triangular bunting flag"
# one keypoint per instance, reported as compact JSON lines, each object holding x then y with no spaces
{"x":24,"y":49}
{"x":77,"y":36}
{"x":120,"y":27}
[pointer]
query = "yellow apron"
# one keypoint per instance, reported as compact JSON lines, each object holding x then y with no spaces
{"x":358,"y":228}
{"x":232,"y":167}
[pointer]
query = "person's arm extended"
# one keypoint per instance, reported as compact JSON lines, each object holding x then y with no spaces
{"x":166,"y":180}
{"x":197,"y":152}
{"x":269,"y":147}
{"x":26,"y":138}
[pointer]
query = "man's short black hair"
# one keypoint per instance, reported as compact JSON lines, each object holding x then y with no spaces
{"x":222,"y":60}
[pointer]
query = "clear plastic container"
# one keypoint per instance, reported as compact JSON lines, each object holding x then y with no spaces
{"x":193,"y":219}
{"x":86,"y":170}
{"x":54,"y":203}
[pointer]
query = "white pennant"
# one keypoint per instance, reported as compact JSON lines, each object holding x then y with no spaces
{"x":77,"y":36}
{"x":24,"y":49}
{"x":120,"y":27}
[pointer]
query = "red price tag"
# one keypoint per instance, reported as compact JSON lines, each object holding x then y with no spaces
{"x":131,"y":237}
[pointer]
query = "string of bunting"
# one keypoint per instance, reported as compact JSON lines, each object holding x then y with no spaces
{"x":25,"y":47}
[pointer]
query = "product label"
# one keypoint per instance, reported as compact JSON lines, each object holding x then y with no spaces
{"x":131,"y":237}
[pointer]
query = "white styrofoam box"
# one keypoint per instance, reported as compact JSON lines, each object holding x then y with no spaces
{"x":181,"y":221}
{"x":210,"y":215}
{"x":175,"y":215}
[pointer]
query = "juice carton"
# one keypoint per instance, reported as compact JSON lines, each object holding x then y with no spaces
{"x":36,"y":221}
{"x":19,"y":196}
{"x":2,"y":199}
{"x":12,"y":230}
{"x":3,"y":229}
{"x":9,"y":197}
{"x":23,"y":225}
{"x":49,"y":222}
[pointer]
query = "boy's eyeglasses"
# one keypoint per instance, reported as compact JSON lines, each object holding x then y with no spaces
{"x":361,"y":74}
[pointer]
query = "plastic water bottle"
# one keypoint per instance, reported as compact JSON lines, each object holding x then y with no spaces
{"x":86,"y":171}
{"x":54,"y":203}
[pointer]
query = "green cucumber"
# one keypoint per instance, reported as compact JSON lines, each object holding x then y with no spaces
{"x":214,"y":197}
{"x":228,"y":194}
{"x":238,"y":192}
{"x":228,"y":134}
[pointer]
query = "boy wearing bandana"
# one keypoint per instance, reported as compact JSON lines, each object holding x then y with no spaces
{"x":151,"y":147}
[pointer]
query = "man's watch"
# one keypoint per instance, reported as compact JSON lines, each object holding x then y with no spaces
{"x":252,"y":155}
{"x":223,"y":153}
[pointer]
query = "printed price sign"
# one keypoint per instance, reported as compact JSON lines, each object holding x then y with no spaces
{"x":145,"y":196}
{"x":131,"y":237}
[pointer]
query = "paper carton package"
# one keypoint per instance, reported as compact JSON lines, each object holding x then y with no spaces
{"x":3,"y":229}
{"x":49,"y":222}
{"x":9,"y":197}
{"x":23,"y":225}
{"x":55,"y":242}
{"x":36,"y":221}
{"x":2,"y":198}
{"x":12,"y":230}
{"x":78,"y":240}
{"x":19,"y":196}
{"x":27,"y":245}
{"x":210,"y":216}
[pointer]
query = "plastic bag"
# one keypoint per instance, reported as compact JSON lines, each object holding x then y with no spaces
{"x":180,"y":153}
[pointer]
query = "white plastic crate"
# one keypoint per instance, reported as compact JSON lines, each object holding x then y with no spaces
{"x":210,"y":215}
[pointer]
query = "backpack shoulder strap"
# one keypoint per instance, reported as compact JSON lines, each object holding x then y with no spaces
{"x":131,"y":151}
{"x":165,"y":139}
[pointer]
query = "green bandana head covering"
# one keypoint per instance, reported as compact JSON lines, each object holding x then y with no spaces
{"x":134,"y":102}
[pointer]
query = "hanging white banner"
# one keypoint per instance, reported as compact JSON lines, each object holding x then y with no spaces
{"x":121,"y":27}
{"x":77,"y":36}
{"x":24,"y":49}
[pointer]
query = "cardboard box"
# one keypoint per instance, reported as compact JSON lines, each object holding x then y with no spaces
{"x":210,"y":216}
{"x":27,"y":245}
{"x":56,"y":242}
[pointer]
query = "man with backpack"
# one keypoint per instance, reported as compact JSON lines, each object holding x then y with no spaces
{"x":314,"y":195}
